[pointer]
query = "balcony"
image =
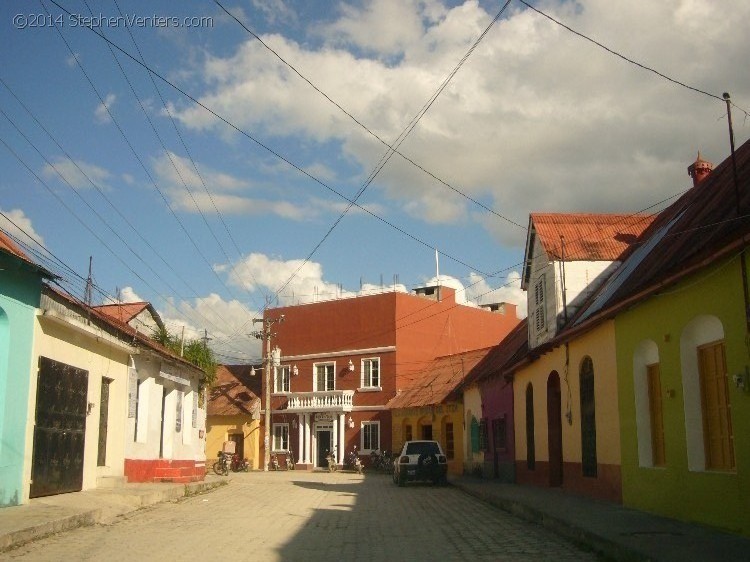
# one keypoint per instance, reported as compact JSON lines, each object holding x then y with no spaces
{"x":328,"y":401}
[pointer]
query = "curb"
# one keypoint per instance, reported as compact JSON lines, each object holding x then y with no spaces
{"x":115,"y":502}
{"x":578,"y":535}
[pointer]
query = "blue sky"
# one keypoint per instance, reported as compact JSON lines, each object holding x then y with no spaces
{"x":205,"y":189}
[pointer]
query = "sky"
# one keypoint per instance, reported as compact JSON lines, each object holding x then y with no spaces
{"x":218,"y":158}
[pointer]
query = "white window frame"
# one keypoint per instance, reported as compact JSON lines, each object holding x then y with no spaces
{"x":283,"y":374}
{"x":280,"y":433}
{"x":332,"y":365}
{"x":364,"y":383}
{"x":362,"y":431}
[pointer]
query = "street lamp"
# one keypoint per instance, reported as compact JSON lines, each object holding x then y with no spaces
{"x":270,"y":360}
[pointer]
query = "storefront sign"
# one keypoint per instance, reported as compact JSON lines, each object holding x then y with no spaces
{"x":324,"y":416}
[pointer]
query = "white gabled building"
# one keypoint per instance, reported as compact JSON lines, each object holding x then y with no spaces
{"x":568,"y":256}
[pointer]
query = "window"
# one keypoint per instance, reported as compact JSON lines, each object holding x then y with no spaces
{"x":325,"y":376}
{"x":653,"y":380}
{"x":371,"y":373}
{"x":588,"y":419}
{"x":500,"y":433}
{"x":407,"y":433}
{"x":540,"y":319}
{"x":281,"y":380}
{"x":178,"y":412}
{"x":483,"y":445}
{"x":718,"y":438}
{"x":530,"y":445}
{"x":474,"y":427}
{"x":370,"y":440}
{"x":280,"y":437}
{"x":450,"y":442}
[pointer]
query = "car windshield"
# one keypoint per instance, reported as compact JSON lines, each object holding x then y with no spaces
{"x":422,"y":448}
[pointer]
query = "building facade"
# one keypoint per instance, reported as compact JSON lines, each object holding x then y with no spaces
{"x":343,"y":360}
{"x":20,"y":291}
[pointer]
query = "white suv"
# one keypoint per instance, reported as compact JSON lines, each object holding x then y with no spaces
{"x":420,"y":460}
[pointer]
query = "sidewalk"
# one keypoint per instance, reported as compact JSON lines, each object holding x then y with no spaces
{"x":616,"y":532}
{"x":54,"y":514}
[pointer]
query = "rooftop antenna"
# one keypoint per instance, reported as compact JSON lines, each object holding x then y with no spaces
{"x":437,"y":273}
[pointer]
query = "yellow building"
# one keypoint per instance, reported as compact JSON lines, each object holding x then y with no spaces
{"x":234,"y":414}
{"x":567,"y":427}
{"x":429,"y":408}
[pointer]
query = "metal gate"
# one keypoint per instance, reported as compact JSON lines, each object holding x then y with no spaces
{"x":59,"y":429}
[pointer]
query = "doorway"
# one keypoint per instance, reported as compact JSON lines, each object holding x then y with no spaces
{"x":554,"y":429}
{"x":323,"y":439}
{"x":59,"y":429}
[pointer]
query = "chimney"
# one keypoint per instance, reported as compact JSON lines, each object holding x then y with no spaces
{"x":699,"y":169}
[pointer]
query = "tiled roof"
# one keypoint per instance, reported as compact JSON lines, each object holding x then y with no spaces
{"x":8,"y":245}
{"x":500,"y":357}
{"x":433,"y":384}
{"x":124,"y":312}
{"x":235,"y":391}
{"x":588,"y":236}
{"x":126,"y":332}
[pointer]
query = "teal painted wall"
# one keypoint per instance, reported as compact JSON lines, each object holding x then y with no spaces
{"x":20,"y":288}
{"x":680,"y":489}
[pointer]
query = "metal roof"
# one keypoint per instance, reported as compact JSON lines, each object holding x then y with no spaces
{"x":588,"y":236}
{"x":435,"y":383}
{"x":235,"y":391}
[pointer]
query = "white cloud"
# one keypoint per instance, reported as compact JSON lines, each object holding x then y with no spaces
{"x":19,"y":226}
{"x":101,"y":113}
{"x":77,"y":173}
{"x":223,"y":192}
{"x":536,"y":119}
{"x":73,"y":59}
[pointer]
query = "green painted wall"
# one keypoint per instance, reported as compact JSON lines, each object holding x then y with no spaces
{"x":20,"y":287}
{"x":715,"y":498}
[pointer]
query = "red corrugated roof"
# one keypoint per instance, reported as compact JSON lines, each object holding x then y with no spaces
{"x":434,"y":384}
{"x":588,"y":236}
{"x":124,"y":312}
{"x":235,"y":391}
{"x":705,"y":224}
{"x":497,"y":362}
{"x":7,"y":244}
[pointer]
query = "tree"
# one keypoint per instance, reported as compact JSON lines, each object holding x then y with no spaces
{"x":194,"y":351}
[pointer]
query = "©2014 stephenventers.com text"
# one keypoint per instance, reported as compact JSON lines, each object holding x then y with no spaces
{"x":33,"y":19}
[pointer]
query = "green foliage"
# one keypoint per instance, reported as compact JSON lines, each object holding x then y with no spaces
{"x":193,"y":351}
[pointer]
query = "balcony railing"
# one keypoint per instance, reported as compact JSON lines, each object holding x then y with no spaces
{"x":327,"y":401}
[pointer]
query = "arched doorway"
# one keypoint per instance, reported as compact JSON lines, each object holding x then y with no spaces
{"x":554,"y":429}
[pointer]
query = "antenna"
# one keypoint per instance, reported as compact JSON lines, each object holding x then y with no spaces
{"x":87,"y":295}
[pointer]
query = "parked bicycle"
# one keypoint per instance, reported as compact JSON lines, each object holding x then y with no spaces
{"x":289,"y":460}
{"x":331,"y":458}
{"x":382,"y":461}
{"x":274,"y":461}
{"x":221,"y":466}
{"x":353,"y":461}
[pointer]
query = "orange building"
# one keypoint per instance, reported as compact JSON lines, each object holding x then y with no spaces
{"x":343,"y":360}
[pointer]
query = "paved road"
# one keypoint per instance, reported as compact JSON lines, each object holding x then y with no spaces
{"x":290,"y":516}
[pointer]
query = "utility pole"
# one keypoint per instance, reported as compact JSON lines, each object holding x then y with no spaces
{"x":268,"y":362}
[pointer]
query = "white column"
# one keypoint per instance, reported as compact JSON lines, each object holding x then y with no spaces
{"x":342,"y":441}
{"x":307,"y":439}
{"x":335,"y":441}
{"x":300,"y":437}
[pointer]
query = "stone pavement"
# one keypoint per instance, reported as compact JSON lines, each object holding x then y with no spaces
{"x":614,"y":531}
{"x":54,"y":514}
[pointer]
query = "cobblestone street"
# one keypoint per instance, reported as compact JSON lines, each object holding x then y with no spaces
{"x":305,"y":516}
